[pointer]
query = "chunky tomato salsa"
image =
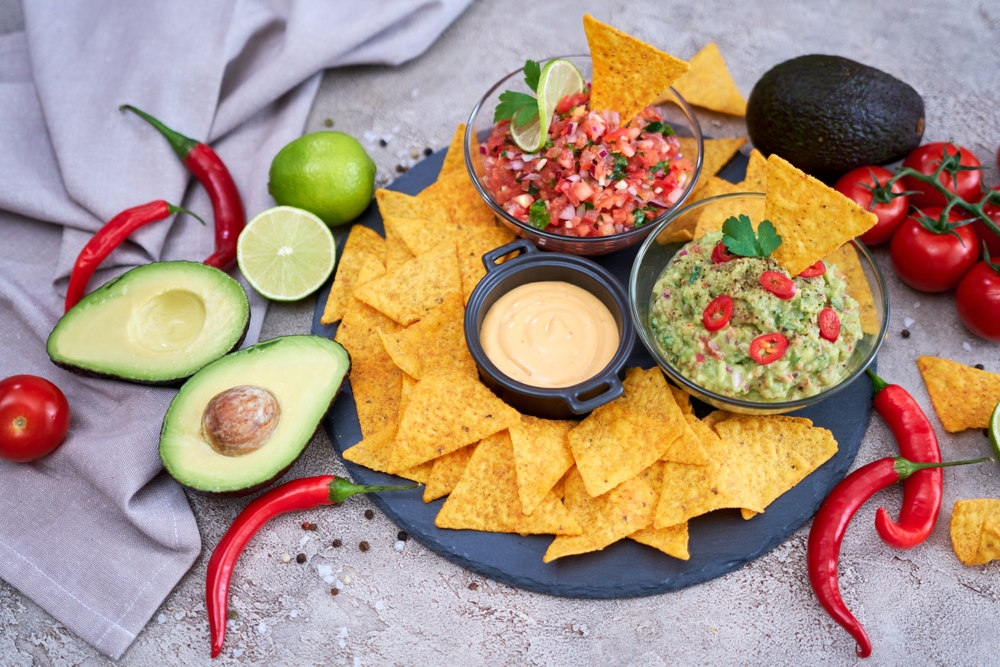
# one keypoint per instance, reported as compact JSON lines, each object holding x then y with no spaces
{"x":592,"y":177}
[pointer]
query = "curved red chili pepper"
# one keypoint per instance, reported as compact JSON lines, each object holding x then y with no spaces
{"x":210,"y":171}
{"x":830,"y":524}
{"x":299,"y":494}
{"x":923,"y":492}
{"x":109,"y":237}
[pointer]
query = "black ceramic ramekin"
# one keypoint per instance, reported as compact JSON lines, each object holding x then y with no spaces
{"x":530,"y":266}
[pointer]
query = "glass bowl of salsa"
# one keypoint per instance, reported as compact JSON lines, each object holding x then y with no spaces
{"x":596,"y":187}
{"x":718,"y":334}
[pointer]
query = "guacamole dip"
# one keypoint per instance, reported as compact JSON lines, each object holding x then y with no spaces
{"x":741,"y":327}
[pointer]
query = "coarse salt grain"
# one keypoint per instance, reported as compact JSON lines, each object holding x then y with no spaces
{"x":908,"y":322}
{"x":324,"y":570}
{"x":161,"y":619}
{"x":370,"y":136}
{"x":262,"y":627}
{"x":357,"y":661}
{"x":399,"y":545}
{"x":379,"y":606}
{"x":305,"y":540}
{"x":329,"y":578}
{"x":230,"y":624}
{"x":343,"y":633}
{"x":395,"y":129}
{"x":179,"y":616}
{"x":916,"y":304}
{"x":966,"y":347}
{"x":342,"y":644}
{"x":293,"y":613}
{"x":414,"y":93}
{"x":237,"y":652}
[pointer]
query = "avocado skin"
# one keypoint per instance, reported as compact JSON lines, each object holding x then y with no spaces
{"x":828,"y":115}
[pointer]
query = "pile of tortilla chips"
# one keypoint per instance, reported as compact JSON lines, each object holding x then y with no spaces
{"x":975,"y":530}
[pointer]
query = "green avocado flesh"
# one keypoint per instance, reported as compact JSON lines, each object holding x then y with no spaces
{"x":828,"y":115}
{"x":155,"y":324}
{"x":303,"y":373}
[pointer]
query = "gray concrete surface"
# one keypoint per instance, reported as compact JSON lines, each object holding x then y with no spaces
{"x":411,"y":607}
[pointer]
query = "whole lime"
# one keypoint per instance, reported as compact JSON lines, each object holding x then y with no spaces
{"x":326,"y":173}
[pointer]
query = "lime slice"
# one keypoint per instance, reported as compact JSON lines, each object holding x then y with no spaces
{"x":286,"y":253}
{"x":994,"y":430}
{"x":558,"y":79}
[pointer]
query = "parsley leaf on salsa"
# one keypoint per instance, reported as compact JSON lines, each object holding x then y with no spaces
{"x":621,"y":164}
{"x":661,"y":127}
{"x":538,"y":215}
{"x":739,"y":237}
{"x":531,"y":73}
{"x":520,"y":107}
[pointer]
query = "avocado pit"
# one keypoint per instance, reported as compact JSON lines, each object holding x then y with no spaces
{"x":240,"y":420}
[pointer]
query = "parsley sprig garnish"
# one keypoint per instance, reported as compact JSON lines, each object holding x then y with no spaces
{"x":739,"y":238}
{"x":520,"y":108}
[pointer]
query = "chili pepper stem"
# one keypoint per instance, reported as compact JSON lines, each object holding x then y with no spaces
{"x":179,"y":209}
{"x":182,"y":145}
{"x":878,"y":384}
{"x":342,"y":489}
{"x":904,"y":467}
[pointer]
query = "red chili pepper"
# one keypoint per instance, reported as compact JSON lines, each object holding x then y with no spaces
{"x":778,"y":284}
{"x":817,"y":269}
{"x":829,"y":325}
{"x":109,"y":237}
{"x":299,"y":494}
{"x":922,"y":493}
{"x":206,"y":166}
{"x":717,"y":313}
{"x":768,"y":348}
{"x":831,"y":523}
{"x":720,"y":255}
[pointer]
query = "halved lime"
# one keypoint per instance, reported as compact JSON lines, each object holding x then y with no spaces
{"x":994,"y":430}
{"x":558,"y":79}
{"x":286,"y":253}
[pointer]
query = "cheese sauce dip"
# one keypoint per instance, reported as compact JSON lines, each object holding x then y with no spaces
{"x":549,"y":334}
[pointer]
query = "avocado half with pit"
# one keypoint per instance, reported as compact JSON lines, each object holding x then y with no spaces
{"x":240,"y":423}
{"x":156,"y":324}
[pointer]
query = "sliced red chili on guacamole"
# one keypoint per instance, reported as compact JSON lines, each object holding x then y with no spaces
{"x":768,"y":348}
{"x":778,"y":284}
{"x":817,"y":269}
{"x":717,"y":313}
{"x":829,"y":324}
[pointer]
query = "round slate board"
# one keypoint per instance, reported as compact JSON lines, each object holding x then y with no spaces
{"x":720,"y":541}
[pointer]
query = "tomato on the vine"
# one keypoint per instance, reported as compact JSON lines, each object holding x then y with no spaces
{"x":859,"y":184}
{"x":34,"y":418}
{"x":978,"y":300}
{"x":991,"y":239}
{"x":933,"y":261}
{"x":926,"y":159}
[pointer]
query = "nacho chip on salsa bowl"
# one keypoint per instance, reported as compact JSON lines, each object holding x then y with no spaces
{"x":864,"y":340}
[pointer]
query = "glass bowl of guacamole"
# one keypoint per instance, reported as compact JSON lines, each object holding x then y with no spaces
{"x":741,"y":334}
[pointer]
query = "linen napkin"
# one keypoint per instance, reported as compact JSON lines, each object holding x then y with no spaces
{"x":96,"y":533}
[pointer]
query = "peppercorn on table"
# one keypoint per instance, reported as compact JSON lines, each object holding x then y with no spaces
{"x":345,"y":586}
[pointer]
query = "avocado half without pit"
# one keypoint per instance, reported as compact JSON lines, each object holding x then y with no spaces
{"x":239,"y":424}
{"x":156,"y":324}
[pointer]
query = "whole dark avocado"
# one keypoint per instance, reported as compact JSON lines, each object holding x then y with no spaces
{"x":828,"y":115}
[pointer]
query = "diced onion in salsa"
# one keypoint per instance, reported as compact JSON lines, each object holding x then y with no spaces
{"x":592,"y":177}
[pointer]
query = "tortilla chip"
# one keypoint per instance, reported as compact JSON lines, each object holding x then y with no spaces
{"x":963,"y":397}
{"x":774,"y":453}
{"x":445,"y":413}
{"x":542,"y":457}
{"x":420,"y":235}
{"x":812,"y":218}
{"x":358,"y":331}
{"x":396,"y":252}
{"x":415,"y":288}
{"x":377,"y":385}
{"x":673,"y":540}
{"x":716,"y":416}
{"x":846,"y":259}
{"x":628,"y":74}
{"x":485,"y":498}
{"x":604,"y":520}
{"x":974,"y":530}
{"x":458,"y":197}
{"x":360,"y":242}
{"x":375,"y":452}
{"x":446,"y":471}
{"x":714,"y":214}
{"x":755,"y":179}
{"x":392,"y":204}
{"x":682,"y":399}
{"x":472,"y":246}
{"x":708,"y":84}
{"x":615,"y":443}
{"x":647,"y":392}
{"x":454,"y":159}
{"x":435,"y":344}
{"x":718,"y":153}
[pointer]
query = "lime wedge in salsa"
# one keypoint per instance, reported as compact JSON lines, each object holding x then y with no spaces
{"x":558,"y":79}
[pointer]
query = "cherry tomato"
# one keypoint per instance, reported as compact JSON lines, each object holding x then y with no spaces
{"x":829,"y":324}
{"x":985,"y":234}
{"x":978,"y":301}
{"x":34,"y":418}
{"x":926,"y":159}
{"x":778,"y":284}
{"x":721,"y":254}
{"x":769,"y":347}
{"x":932,"y":262}
{"x":817,"y":269}
{"x":570,"y":101}
{"x":890,"y":215}
{"x":717,"y":313}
